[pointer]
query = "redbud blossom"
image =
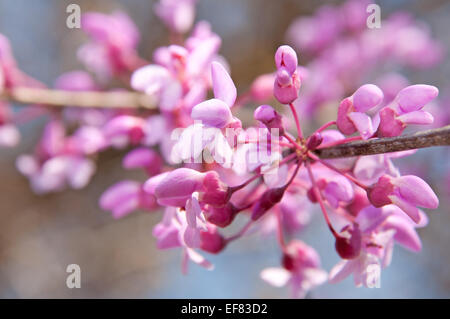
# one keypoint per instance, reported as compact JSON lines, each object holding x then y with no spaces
{"x":351,"y":112}
{"x":406,"y":192}
{"x":406,"y":109}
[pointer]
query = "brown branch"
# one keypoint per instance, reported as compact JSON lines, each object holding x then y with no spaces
{"x":434,"y":137}
{"x":111,"y":99}
{"x":128,"y":99}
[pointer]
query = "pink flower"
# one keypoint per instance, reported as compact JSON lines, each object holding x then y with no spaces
{"x":58,"y":160}
{"x":125,"y":197}
{"x":112,"y":49}
{"x":406,"y":109}
{"x":287,"y":81}
{"x":406,"y":192}
{"x":143,"y":158}
{"x":170,"y":232}
{"x":178,"y":15}
{"x":124,"y":129}
{"x":300,"y":269}
{"x":379,"y":228}
{"x":216,"y":112}
{"x":351,"y":112}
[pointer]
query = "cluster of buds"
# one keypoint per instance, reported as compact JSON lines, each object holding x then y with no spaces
{"x":261,"y":172}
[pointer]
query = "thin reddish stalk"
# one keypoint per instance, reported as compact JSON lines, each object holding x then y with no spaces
{"x":320,"y":200}
{"x":297,"y":121}
{"x":351,"y":178}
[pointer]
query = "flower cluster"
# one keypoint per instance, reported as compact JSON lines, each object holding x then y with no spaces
{"x":204,"y":165}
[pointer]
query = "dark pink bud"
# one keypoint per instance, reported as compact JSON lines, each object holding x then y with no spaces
{"x":314,"y":141}
{"x":359,"y":202}
{"x":221,"y":216}
{"x":269,"y":117}
{"x":268,"y":199}
{"x":378,"y":193}
{"x":348,"y":246}
{"x":298,"y":255}
{"x":212,"y":241}
{"x":343,"y":122}
{"x":389,"y":126}
{"x":216,"y":192}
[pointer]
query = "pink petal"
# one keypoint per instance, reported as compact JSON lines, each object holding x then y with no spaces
{"x":214,"y":112}
{"x":177,"y":187}
{"x":363,"y":124}
{"x":367,"y":97}
{"x":416,"y":117}
{"x":411,"y":210}
{"x":416,"y":191}
{"x":199,"y":259}
{"x":150,"y":78}
{"x":151,"y":183}
{"x":405,"y":233}
{"x":286,"y":57}
{"x":342,"y":270}
{"x":414,"y":97}
{"x":9,"y":135}
{"x":121,"y":198}
{"x":80,"y":172}
{"x":224,"y":88}
{"x":277,"y":277}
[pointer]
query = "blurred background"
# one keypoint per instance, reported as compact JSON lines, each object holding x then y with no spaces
{"x":41,"y":235}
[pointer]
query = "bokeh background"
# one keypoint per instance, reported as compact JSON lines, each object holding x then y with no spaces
{"x":41,"y":235}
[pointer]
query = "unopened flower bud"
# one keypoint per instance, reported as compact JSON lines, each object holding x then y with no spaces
{"x":268,"y":199}
{"x":349,"y":245}
{"x":212,"y":241}
{"x":221,"y":216}
{"x":270,"y":118}
{"x":314,"y":141}
{"x":216,"y":192}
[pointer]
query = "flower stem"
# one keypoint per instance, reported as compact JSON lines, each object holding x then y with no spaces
{"x":297,"y":122}
{"x":348,"y":176}
{"x":318,"y":195}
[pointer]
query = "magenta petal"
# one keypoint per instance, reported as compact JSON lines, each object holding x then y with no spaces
{"x":344,"y":124}
{"x":224,"y":88}
{"x":414,"y":97}
{"x":214,"y":112}
{"x":416,"y":191}
{"x":151,"y":183}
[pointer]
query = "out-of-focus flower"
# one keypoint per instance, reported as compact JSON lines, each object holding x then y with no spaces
{"x":177,"y":15}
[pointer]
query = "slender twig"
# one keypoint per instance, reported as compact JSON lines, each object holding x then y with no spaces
{"x":434,"y":137}
{"x":111,"y":99}
{"x":129,"y":99}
